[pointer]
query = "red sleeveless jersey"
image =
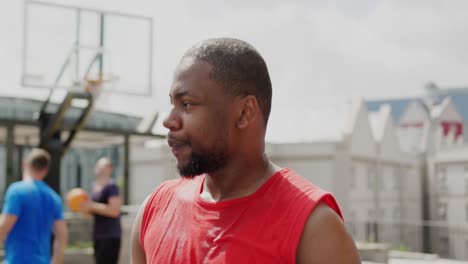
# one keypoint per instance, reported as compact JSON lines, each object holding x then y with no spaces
{"x":178,"y":226}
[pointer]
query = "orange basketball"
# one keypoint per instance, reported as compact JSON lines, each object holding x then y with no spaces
{"x":75,"y":198}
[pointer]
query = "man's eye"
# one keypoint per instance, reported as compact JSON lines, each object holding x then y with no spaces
{"x":186,"y":104}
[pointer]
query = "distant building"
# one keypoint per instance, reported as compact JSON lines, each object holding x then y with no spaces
{"x":434,"y":127}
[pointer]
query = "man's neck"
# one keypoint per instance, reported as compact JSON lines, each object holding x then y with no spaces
{"x":103,"y":181}
{"x":28,"y":177}
{"x":238,"y":179}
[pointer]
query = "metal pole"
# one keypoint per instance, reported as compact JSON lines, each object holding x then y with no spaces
{"x":101,"y":45}
{"x":377,"y":214}
{"x":10,"y":148}
{"x":53,"y":177}
{"x":401,"y":204}
{"x":19,"y":169}
{"x":24,"y":57}
{"x":77,"y":45}
{"x":54,"y":146}
{"x":126,"y":168}
{"x":426,"y":206}
{"x":150,"y":58}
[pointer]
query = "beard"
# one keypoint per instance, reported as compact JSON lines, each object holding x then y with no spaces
{"x":202,"y":162}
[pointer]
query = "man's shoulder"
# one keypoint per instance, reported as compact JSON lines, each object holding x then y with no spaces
{"x":112,"y":185}
{"x":19,"y":186}
{"x":174,"y":184}
{"x":166,"y":194}
{"x":169,"y":187}
{"x":55,"y":195}
{"x":45,"y":188}
{"x":326,"y":224}
{"x":297,"y":183}
{"x":297,"y":189}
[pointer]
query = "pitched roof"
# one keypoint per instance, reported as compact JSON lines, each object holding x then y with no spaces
{"x":461,"y":103}
{"x":459,"y":98}
{"x":378,"y":121}
{"x":398,"y":106}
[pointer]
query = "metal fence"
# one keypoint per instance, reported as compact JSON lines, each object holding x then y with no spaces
{"x":435,"y":237}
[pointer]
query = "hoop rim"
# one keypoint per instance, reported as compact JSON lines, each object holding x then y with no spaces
{"x":94,"y":84}
{"x":101,"y":78}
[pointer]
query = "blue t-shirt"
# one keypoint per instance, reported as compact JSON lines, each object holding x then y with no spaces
{"x":106,"y":227}
{"x":37,"y":207}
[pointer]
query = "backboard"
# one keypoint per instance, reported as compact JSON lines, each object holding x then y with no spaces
{"x":63,"y":45}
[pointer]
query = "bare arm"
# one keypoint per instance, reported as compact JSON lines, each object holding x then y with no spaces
{"x":111,"y":209}
{"x":60,"y":241}
{"x":138,"y":254}
{"x":7,"y":221}
{"x":325,"y":240}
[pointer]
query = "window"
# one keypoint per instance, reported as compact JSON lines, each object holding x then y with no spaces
{"x":404,"y":178}
{"x":352,"y":223}
{"x":465,"y":174}
{"x":396,"y":215}
{"x":370,"y":178}
{"x":352,"y":178}
{"x":2,"y":173}
{"x":442,"y":180}
{"x":466,"y":249}
{"x":370,"y":215}
{"x":396,"y":179}
{"x":466,"y":212}
{"x":403,"y":214}
{"x":444,"y":246}
{"x":442,"y":211}
{"x":382,"y":180}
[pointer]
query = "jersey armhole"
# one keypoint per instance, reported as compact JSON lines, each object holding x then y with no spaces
{"x":324,"y":197}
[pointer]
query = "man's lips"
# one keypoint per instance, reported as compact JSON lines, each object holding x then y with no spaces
{"x":175,"y":144}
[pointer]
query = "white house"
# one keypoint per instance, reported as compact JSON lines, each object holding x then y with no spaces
{"x":433,"y":129}
{"x":448,"y":188}
{"x":413,"y":127}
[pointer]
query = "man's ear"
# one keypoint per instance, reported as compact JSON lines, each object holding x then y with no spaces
{"x":248,"y":113}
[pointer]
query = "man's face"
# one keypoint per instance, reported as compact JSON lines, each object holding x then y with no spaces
{"x":200,"y":120}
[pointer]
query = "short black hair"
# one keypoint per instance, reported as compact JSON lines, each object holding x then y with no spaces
{"x":238,"y":67}
{"x":38,"y":159}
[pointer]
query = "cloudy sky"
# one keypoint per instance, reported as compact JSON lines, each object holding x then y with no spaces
{"x":321,"y":53}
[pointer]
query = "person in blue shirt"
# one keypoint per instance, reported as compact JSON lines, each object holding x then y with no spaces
{"x":32,"y":212}
{"x":105,"y":207}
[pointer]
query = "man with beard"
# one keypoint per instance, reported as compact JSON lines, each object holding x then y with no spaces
{"x":232,"y":205}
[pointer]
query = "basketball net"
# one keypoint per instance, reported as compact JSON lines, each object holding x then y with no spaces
{"x":95,"y":84}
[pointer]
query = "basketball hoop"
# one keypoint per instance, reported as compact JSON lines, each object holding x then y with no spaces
{"x":95,"y":84}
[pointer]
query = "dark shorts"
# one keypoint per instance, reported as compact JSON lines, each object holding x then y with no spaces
{"x":106,"y":251}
